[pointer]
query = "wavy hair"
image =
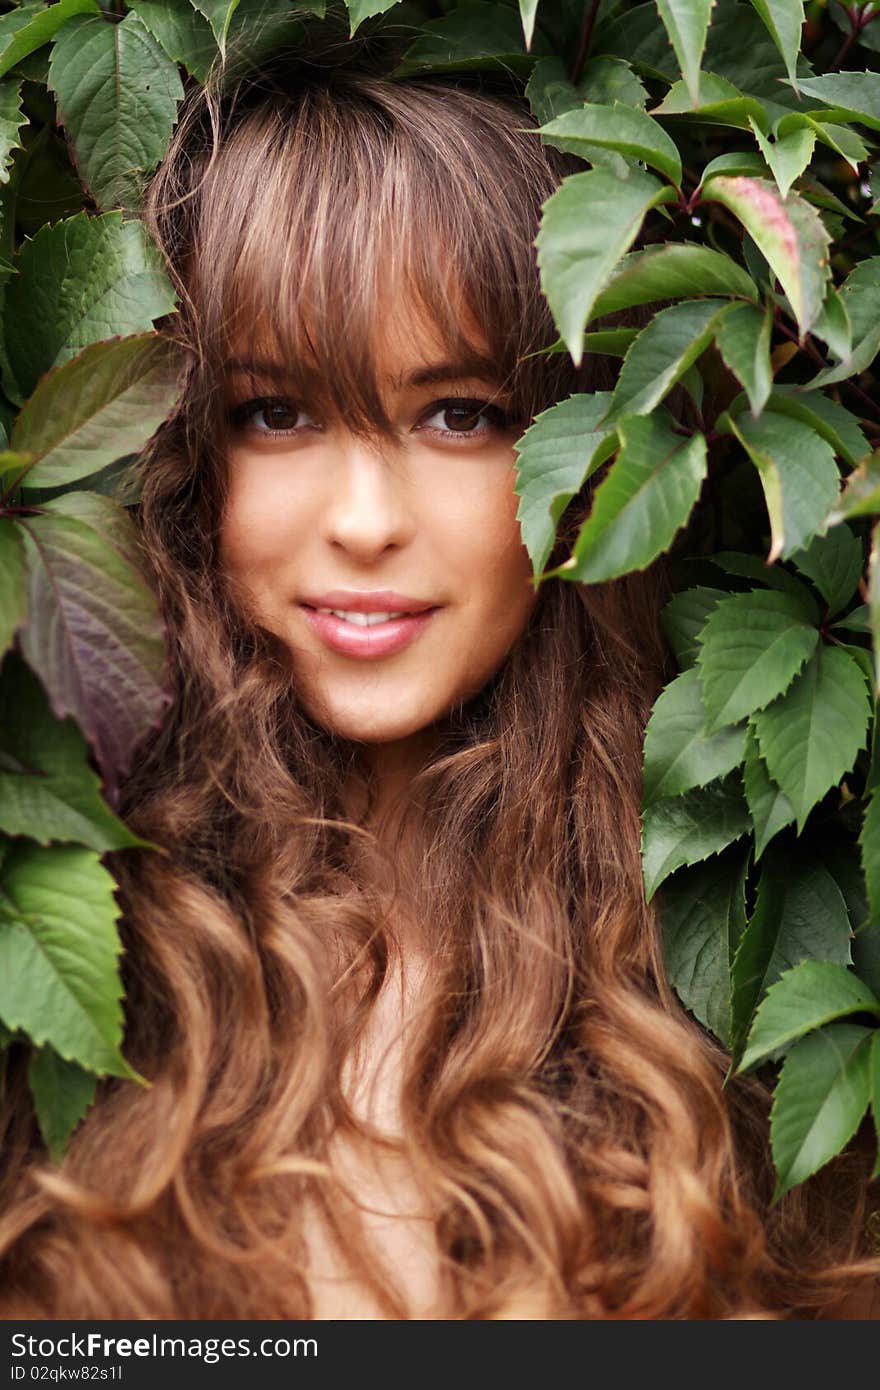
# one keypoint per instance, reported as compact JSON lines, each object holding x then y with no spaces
{"x":562,"y":1118}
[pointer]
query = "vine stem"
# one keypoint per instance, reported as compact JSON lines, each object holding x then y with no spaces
{"x":584,"y":42}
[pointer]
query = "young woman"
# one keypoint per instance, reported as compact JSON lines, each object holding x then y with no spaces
{"x":392,"y":977}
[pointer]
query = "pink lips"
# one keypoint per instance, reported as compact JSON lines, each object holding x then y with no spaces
{"x":379,"y":639}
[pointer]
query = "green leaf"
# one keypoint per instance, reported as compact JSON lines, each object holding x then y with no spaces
{"x":182,"y":31}
{"x":35,"y":28}
{"x":13,"y":586}
{"x":784,"y":20}
{"x":773,"y":575}
{"x":682,"y":620}
{"x":721,"y":103}
{"x":219,"y":14}
{"x":798,"y":474}
{"x":833,"y":325}
{"x":527,"y":11}
{"x":874,"y":601}
{"x":679,"y":752}
{"x":810,"y":736}
{"x":751,"y":649}
{"x":62,"y":1093}
{"x":788,"y":155}
{"x":662,"y":353}
{"x":12,"y":118}
{"x":735,"y":162}
{"x":859,"y":620}
{"x":799,"y":915}
{"x":48,"y":790}
{"x":869,"y":845}
{"x":642,"y":502}
{"x":626,"y":130}
{"x":474,"y":35}
{"x":687,"y":23}
{"x":675,"y":271}
{"x":688,"y":829}
{"x":98,"y":406}
{"x":556,"y":455}
{"x":59,"y":981}
{"x":860,"y":296}
{"x":847,"y":96}
{"x":820,"y":1100}
{"x":359,"y":10}
{"x":94,"y":636}
{"x":861,"y":495}
{"x":769,"y":807}
{"x":80,"y":280}
{"x":808,"y":996}
{"x":587,"y":225}
{"x":834,"y":563}
{"x":839,"y":427}
{"x":743,"y":338}
{"x":118,"y":94}
{"x":788,"y":232}
{"x":703,"y":914}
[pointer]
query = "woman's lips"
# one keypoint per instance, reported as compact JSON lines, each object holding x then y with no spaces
{"x":379,"y":639}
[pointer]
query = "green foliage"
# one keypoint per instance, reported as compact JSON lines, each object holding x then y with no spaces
{"x":729,"y":196}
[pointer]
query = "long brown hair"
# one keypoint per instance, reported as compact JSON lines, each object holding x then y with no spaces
{"x":564,"y":1117}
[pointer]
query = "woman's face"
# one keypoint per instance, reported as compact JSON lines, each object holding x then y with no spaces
{"x":423,"y":528}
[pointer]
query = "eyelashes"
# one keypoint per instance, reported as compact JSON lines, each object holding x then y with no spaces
{"x":275,"y":417}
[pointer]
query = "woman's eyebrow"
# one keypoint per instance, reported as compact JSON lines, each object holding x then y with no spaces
{"x":477,"y":366}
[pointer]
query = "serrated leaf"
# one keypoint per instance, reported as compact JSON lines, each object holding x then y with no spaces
{"x":100,"y":405}
{"x":688,"y":829}
{"x":687,"y":24}
{"x":833,"y":325}
{"x":62,"y":1093}
{"x":773,"y":575}
{"x":751,"y":649}
{"x":556,"y":455}
{"x":836,"y":425}
{"x":219,"y":14}
{"x":182,"y":31}
{"x":628,"y":131}
{"x":359,"y":10}
{"x":473,"y":35}
{"x":788,"y":155}
{"x":808,"y":996}
{"x":674,"y":271}
{"x":642,"y":502}
{"x":769,"y":807}
{"x":59,"y":981}
{"x":820,"y":1100}
{"x":679,"y":753}
{"x":703,"y":914}
{"x":118,"y":94}
{"x":586,"y":226}
{"x":799,"y":915}
{"x":682,"y":621}
{"x":13,"y":583}
{"x":848,"y":96}
{"x":810,"y":736}
{"x":784,"y":20}
{"x":48,"y":791}
{"x":788,"y":232}
{"x":798,"y":474}
{"x":834,"y":563}
{"x":94,"y":637}
{"x":869,"y":845}
{"x":743,"y":338}
{"x":721,"y":103}
{"x":36,"y":27}
{"x":79,"y":281}
{"x":860,"y":296}
{"x":663,"y":351}
{"x":12,"y":119}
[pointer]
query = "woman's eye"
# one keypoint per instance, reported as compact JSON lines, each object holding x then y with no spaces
{"x":269,"y":415}
{"x":458,"y":416}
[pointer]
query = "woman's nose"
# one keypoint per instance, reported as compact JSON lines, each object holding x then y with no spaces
{"x":367,"y":509}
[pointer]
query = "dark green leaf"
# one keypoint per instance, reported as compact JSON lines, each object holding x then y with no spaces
{"x":23,"y":32}
{"x":810,"y":736}
{"x":837,"y":426}
{"x":703,"y":914}
{"x":687,"y":23}
{"x":834,"y":563}
{"x":473,"y":35}
{"x":798,"y":474}
{"x":784,"y":20}
{"x":751,"y":649}
{"x":743,"y":338}
{"x":642,"y":502}
{"x":62,"y":1093}
{"x":682,"y":619}
{"x":663,"y":351}
{"x":626,"y":130}
{"x":769,"y":807}
{"x":674,"y":271}
{"x":184,"y":34}
{"x":688,"y":829}
{"x":848,"y":96}
{"x":679,"y":753}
